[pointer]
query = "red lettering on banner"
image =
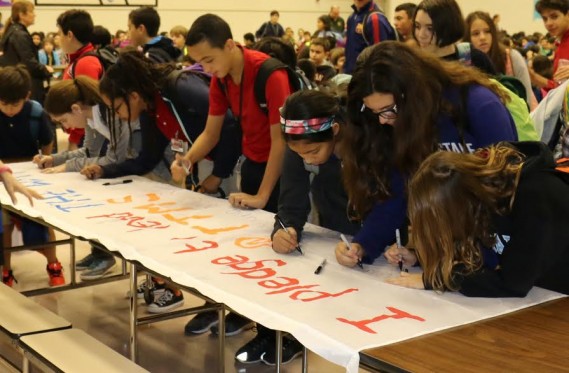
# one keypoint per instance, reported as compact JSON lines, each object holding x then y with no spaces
{"x":316,"y":295}
{"x":132,"y":221}
{"x":274,"y":284}
{"x":397,"y":314}
{"x":219,"y":230}
{"x":259,"y":270}
{"x":254,"y":242}
{"x":227,"y":260}
{"x":190,"y":248}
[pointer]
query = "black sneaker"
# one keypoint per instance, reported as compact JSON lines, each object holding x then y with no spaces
{"x":167,"y":301}
{"x":252,"y":351}
{"x":201,"y":323}
{"x":291,"y":349}
{"x":234,"y":324}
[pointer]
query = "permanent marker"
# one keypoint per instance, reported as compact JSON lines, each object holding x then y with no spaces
{"x":320,"y":267}
{"x":126,"y":181}
{"x":286,"y":230}
{"x":349,"y":245}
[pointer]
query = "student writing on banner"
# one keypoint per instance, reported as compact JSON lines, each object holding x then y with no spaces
{"x":404,"y":104}
{"x":509,"y":200}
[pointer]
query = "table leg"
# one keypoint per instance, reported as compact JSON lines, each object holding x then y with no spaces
{"x":132,"y":316}
{"x":279,"y":350}
{"x":221,"y":316}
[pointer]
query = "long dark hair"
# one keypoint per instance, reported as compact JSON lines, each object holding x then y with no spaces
{"x":452,"y":198}
{"x":497,"y":52}
{"x":134,"y":73}
{"x":417,"y":81}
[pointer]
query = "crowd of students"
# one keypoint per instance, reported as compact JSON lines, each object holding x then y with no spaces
{"x":408,"y":135}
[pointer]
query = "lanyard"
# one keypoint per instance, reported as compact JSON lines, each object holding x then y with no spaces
{"x":241,"y":96}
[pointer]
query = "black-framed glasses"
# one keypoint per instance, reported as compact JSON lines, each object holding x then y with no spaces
{"x":389,"y":113}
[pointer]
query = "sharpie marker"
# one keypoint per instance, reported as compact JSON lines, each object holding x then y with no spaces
{"x":320,"y":267}
{"x":286,"y":230}
{"x":126,"y":181}
{"x":398,"y":241}
{"x":349,"y":245}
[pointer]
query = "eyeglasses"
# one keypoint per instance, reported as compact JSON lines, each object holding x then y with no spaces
{"x":389,"y":113}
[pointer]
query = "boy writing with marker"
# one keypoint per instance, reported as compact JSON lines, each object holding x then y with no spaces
{"x":24,"y":130}
{"x":234,"y":69}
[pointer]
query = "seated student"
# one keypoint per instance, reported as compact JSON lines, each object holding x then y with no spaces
{"x":143,"y":25}
{"x":337,"y":59}
{"x":323,"y":28}
{"x":439,"y":25}
{"x":172,"y":107}
{"x":24,"y":130}
{"x":482,"y":33}
{"x":403,"y":105}
{"x":47,"y":56}
{"x":508,"y":199}
{"x":555,"y":16}
{"x":320,"y":52}
{"x":178,"y":36}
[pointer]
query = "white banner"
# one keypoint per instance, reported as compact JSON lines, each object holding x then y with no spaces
{"x":226,"y":254}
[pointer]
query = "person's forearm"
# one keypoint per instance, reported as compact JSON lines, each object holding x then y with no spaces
{"x":201,"y":147}
{"x":538,"y":80}
{"x":273,"y":169}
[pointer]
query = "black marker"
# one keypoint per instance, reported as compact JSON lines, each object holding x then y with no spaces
{"x":349,"y":246}
{"x":320,"y":267}
{"x":398,"y":241}
{"x":286,"y":230}
{"x":126,"y":181}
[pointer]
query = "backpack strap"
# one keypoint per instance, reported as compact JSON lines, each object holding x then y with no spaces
{"x":464,"y":53}
{"x":36,"y":115}
{"x":267,"y":68}
{"x":86,"y":54}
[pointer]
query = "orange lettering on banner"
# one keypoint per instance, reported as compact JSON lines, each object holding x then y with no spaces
{"x":397,"y":314}
{"x":183,"y":220}
{"x":219,"y":230}
{"x":155,"y":208}
{"x":152,"y":197}
{"x":254,"y":242}
{"x":212,"y":245}
{"x":126,"y":199}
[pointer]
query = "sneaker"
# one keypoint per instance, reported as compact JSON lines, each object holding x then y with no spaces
{"x":84,"y":263}
{"x":8,"y":278}
{"x":291,"y":349}
{"x":234,"y":324}
{"x":158,"y":289}
{"x":98,"y":268}
{"x":252,"y":351}
{"x":201,"y":323}
{"x":55,"y":273}
{"x":167,"y":301}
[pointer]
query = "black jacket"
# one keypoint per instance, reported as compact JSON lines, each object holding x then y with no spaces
{"x":188,"y":98}
{"x":327,"y":193}
{"x":18,"y":47}
{"x":533,"y":245}
{"x":161,"y":50}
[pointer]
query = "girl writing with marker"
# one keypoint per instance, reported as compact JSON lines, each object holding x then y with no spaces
{"x":311,"y":123}
{"x":509,"y":197}
{"x":405,"y":104}
{"x":76,"y":103}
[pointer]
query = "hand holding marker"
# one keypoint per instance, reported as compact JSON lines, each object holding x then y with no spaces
{"x":286,"y":230}
{"x":345,"y":240}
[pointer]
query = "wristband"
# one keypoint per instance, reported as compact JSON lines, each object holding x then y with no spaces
{"x":5,"y":169}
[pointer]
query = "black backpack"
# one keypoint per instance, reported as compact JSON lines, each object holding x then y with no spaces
{"x":296,"y":79}
{"x":107,"y":56}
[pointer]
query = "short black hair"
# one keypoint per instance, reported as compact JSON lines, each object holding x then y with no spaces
{"x":275,"y":13}
{"x":101,"y":36}
{"x":147,"y":16}
{"x":249,"y":37}
{"x":409,"y":8}
{"x":15,"y":83}
{"x":79,"y":22}
{"x":279,"y":49}
{"x":307,"y":67}
{"x":211,"y":28}
{"x":448,"y":22}
{"x":560,"y":5}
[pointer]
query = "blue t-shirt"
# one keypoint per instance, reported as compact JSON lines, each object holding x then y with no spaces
{"x":489,"y":122}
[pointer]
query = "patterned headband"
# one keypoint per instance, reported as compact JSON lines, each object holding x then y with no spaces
{"x":306,"y":126}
